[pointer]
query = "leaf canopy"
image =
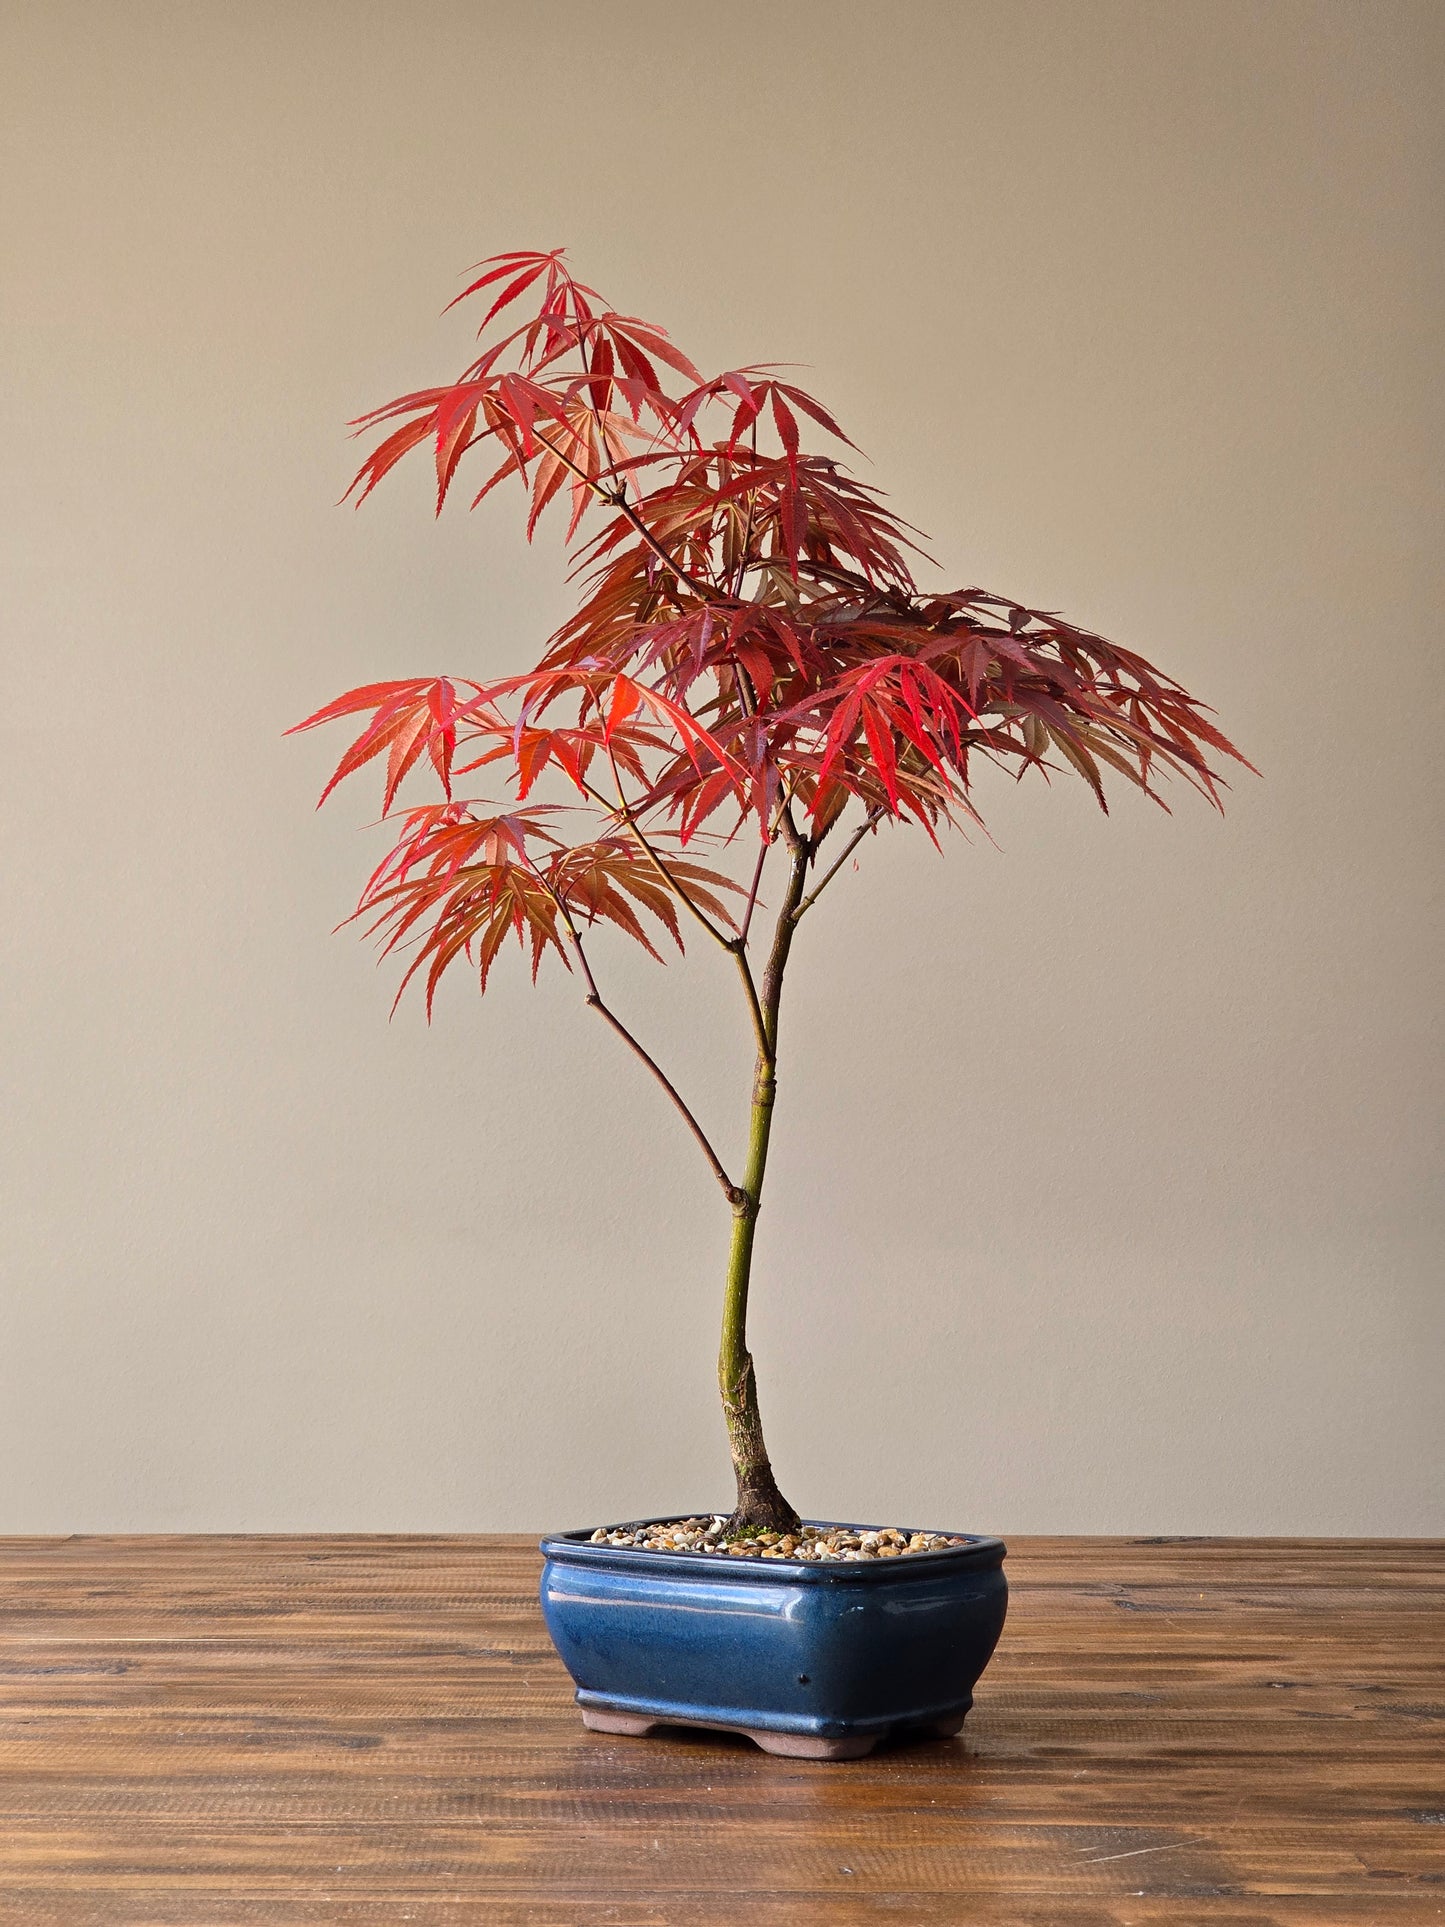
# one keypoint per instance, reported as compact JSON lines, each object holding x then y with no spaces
{"x":751,"y":647}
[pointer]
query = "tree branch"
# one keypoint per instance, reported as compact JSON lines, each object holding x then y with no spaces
{"x":732,"y":1192}
{"x":623,"y":809}
{"x":783,"y":943}
{"x":874,"y":816}
{"x":735,"y":946}
{"x":750,"y":991}
{"x":747,"y":921}
{"x":618,"y":499}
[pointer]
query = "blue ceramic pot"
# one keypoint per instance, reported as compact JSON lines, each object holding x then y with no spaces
{"x":818,"y":1659}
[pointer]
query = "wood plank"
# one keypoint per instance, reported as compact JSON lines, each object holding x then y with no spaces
{"x":199,"y":1731}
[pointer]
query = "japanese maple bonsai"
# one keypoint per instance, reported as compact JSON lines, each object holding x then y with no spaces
{"x":753,"y":674}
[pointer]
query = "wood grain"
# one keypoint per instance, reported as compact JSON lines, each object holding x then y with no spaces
{"x":201,"y":1732}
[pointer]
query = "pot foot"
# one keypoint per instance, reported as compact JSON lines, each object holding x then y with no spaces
{"x":632,"y":1724}
{"x":797,"y":1746}
{"x":808,"y":1746}
{"x":941,"y":1729}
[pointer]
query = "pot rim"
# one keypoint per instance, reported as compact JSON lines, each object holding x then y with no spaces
{"x":981,"y":1552}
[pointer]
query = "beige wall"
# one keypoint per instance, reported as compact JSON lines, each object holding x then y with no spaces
{"x":1107,"y":1181}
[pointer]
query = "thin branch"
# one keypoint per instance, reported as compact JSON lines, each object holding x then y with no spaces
{"x":752,"y":904}
{"x":735,"y":946}
{"x":624,"y":809}
{"x":874,"y":816}
{"x":617,"y":497}
{"x":730,"y":1191}
{"x":782,"y":943}
{"x":750,"y":991}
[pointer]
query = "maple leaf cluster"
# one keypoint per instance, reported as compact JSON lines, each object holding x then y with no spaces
{"x":752,"y":656}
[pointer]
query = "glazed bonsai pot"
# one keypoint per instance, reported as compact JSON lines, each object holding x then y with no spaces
{"x":818,"y":1659}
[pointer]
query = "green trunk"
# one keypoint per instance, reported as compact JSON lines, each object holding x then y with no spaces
{"x":761,"y":1506}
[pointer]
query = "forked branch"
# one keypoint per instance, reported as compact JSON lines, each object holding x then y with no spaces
{"x":874,"y":816}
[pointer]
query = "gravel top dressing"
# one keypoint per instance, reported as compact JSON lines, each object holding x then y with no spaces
{"x":705,"y":1534}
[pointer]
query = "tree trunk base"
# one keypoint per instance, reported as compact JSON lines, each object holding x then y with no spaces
{"x":760,"y":1507}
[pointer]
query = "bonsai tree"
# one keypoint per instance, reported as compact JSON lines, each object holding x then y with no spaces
{"x":753,"y":684}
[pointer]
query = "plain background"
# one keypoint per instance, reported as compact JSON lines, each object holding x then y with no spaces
{"x":1106,"y":1193}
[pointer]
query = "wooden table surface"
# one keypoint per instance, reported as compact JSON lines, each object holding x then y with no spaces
{"x":204,"y":1731}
